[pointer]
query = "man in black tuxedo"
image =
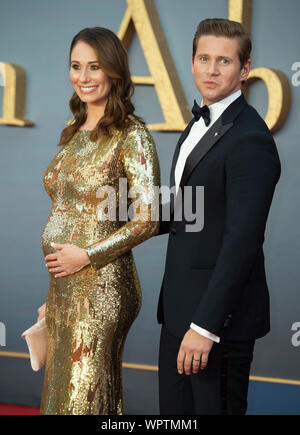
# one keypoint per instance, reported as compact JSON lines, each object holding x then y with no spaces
{"x":214,"y":300}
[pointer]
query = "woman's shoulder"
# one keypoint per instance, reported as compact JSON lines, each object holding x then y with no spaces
{"x":136,"y":126}
{"x":137,"y":139}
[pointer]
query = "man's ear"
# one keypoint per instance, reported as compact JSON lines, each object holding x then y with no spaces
{"x":245,"y":71}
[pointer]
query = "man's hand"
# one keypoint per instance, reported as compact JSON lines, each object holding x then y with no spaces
{"x":69,"y":259}
{"x":194,"y":351}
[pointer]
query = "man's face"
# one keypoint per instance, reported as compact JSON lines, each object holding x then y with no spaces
{"x":216,"y":68}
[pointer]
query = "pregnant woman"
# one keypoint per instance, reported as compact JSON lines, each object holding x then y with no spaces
{"x":94,"y":293}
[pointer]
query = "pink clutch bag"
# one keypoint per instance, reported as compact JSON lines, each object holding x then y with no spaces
{"x":36,"y":340}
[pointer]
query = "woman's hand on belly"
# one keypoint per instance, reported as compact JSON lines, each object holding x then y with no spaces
{"x":69,"y":259}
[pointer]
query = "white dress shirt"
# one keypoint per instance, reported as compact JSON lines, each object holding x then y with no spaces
{"x":196,"y":133}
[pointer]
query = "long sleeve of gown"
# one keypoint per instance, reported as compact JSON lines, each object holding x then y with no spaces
{"x":141,"y":168}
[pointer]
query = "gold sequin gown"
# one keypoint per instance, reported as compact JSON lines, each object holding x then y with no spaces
{"x":90,"y":312}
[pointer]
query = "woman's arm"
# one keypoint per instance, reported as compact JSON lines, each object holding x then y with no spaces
{"x":141,"y":166}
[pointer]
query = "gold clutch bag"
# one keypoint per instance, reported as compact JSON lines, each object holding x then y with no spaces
{"x":36,"y":340}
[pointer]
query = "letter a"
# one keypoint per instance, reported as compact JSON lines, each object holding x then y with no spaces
{"x":141,"y":16}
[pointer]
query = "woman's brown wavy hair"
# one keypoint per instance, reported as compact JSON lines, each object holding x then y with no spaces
{"x":113,"y":60}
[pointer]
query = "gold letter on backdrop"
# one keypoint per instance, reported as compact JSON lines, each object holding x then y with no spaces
{"x":279,"y":89}
{"x":14,"y":80}
{"x":279,"y":93}
{"x":142,"y":17}
{"x":240,"y":11}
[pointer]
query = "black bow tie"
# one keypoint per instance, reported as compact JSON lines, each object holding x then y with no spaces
{"x":201,"y":111}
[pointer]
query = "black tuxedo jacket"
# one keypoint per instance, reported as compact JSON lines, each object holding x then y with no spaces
{"x":216,"y":277}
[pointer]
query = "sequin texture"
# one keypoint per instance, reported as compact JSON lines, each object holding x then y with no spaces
{"x":89,"y":313}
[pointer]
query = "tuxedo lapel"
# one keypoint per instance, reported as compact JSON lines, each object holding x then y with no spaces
{"x":177,"y":149}
{"x":175,"y":157}
{"x":211,"y":137}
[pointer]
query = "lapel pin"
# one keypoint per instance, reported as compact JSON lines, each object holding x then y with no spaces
{"x":216,"y":133}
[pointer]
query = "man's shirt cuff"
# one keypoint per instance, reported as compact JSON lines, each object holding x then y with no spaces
{"x":205,"y":333}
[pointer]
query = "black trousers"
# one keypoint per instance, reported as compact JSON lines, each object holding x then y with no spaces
{"x":221,"y":388}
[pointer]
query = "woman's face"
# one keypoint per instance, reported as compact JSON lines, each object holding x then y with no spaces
{"x":90,"y":83}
